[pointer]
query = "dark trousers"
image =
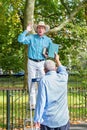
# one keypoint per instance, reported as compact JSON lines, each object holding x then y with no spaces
{"x":65,"y":127}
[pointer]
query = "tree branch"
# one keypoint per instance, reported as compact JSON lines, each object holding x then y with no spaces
{"x":81,"y":5}
{"x":66,"y":7}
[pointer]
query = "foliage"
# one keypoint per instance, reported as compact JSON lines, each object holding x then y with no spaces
{"x":10,"y":51}
{"x":72,"y":38}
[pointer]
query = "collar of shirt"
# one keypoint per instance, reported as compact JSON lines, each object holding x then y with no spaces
{"x":41,"y":36}
{"x":51,"y":72}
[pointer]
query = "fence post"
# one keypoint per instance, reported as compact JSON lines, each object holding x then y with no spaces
{"x":8,"y":109}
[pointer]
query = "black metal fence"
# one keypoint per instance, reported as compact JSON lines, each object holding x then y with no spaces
{"x":13,"y":102}
{"x":14,"y":106}
{"x":77,"y":97}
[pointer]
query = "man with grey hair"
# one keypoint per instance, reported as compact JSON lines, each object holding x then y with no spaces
{"x":49,"y":65}
{"x":51,"y":111}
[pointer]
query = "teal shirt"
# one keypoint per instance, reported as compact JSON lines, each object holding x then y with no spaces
{"x":52,"y":107}
{"x":36,"y":44}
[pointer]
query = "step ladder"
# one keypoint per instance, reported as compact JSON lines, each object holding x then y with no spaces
{"x":28,"y":122}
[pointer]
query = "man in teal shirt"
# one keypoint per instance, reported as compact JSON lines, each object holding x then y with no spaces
{"x":36,"y":44}
{"x":51,"y":111}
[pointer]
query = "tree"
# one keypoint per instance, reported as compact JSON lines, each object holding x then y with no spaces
{"x":68,"y":27}
{"x":71,"y":14}
{"x":28,"y":18}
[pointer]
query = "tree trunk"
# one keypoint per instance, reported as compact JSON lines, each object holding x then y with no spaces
{"x":86,"y":14}
{"x":28,"y":18}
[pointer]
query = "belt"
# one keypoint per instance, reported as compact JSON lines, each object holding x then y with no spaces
{"x":36,"y":60}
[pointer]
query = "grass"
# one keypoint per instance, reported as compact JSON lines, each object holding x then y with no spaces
{"x":11,"y":82}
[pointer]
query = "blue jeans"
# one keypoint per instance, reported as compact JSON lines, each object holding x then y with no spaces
{"x":65,"y":127}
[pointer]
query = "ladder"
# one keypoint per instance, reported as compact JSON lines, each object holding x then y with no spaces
{"x":28,"y":122}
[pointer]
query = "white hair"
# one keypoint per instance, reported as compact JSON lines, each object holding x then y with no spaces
{"x":49,"y":65}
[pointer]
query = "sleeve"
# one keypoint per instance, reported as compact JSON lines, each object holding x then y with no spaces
{"x":62,"y":70}
{"x":23,"y":38}
{"x":40,"y":103}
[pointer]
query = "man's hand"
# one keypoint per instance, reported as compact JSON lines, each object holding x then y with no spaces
{"x":29,"y":27}
{"x":45,"y":53}
{"x":56,"y":57}
{"x":37,"y":125}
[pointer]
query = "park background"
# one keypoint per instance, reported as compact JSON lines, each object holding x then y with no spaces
{"x":68,"y":28}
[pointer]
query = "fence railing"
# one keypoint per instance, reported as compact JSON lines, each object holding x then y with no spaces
{"x":77,"y":97}
{"x":14,"y":101}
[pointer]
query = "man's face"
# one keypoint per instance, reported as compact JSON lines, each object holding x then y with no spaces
{"x":41,"y":30}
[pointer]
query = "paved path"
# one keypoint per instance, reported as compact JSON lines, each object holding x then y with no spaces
{"x":78,"y":127}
